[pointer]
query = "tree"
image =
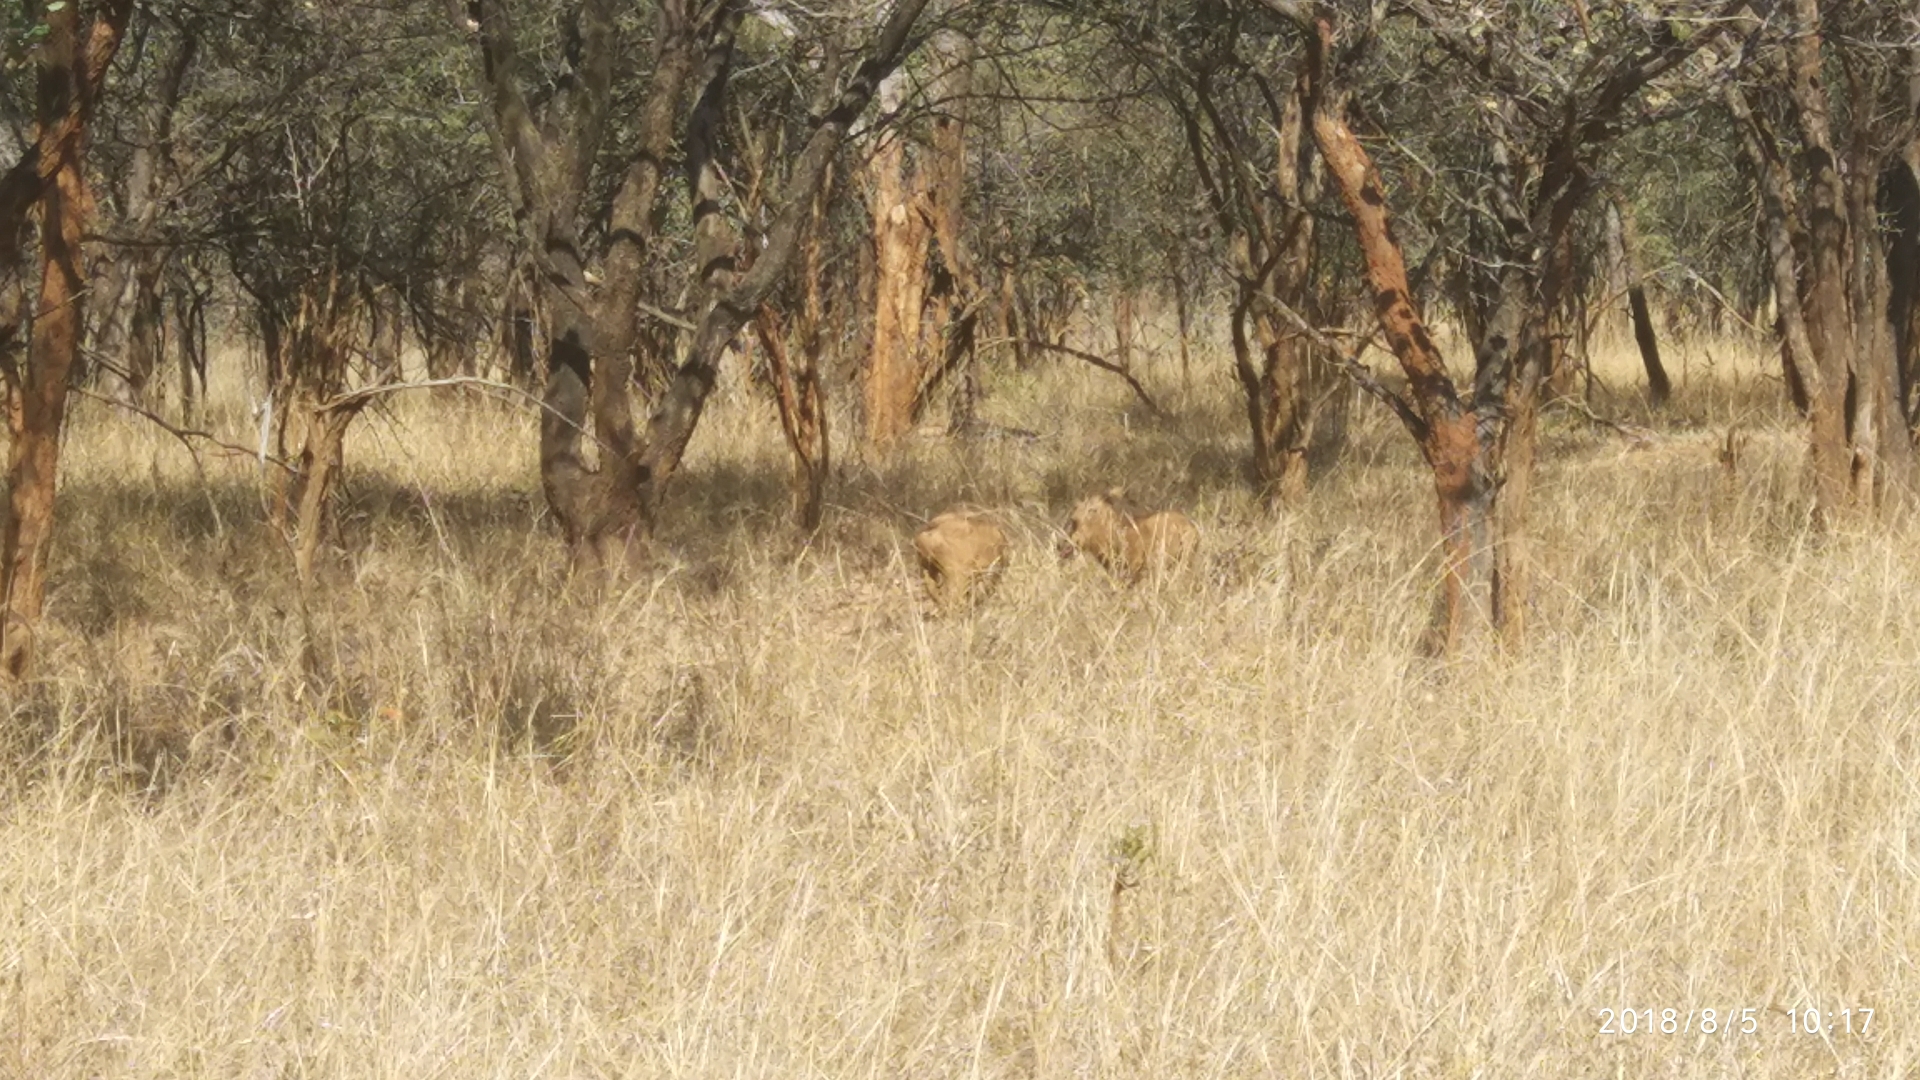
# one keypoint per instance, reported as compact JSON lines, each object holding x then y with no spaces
{"x":548,"y":153}
{"x":130,"y":332}
{"x":72,"y":62}
{"x":1624,"y":241}
{"x":925,"y":285}
{"x":1546,"y":126}
{"x":346,"y":183}
{"x":1821,"y":192}
{"x":1248,"y":145}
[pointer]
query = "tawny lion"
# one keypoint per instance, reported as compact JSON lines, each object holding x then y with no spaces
{"x":961,"y":554}
{"x":1130,"y":547}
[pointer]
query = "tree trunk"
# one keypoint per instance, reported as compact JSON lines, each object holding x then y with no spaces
{"x":1183,"y":317}
{"x":72,"y":69}
{"x":802,"y":406}
{"x":674,"y":420}
{"x":190,"y":321}
{"x":916,"y":207}
{"x":1779,"y":210}
{"x":1884,"y":473}
{"x":1824,"y":294}
{"x":322,"y":453}
{"x":516,"y":329}
{"x":131,"y":336}
{"x":1900,"y":192}
{"x":902,"y":238}
{"x":1444,"y":428}
{"x":1272,"y":253}
{"x":1620,"y":226}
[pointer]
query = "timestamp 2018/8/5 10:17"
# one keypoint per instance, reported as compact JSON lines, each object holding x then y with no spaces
{"x":1747,"y":1021}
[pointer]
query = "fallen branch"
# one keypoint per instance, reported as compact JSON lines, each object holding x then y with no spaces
{"x":1100,"y":362}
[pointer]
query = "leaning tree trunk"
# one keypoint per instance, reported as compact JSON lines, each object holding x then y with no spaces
{"x":1625,"y":239}
{"x":72,"y":70}
{"x":1439,"y":420}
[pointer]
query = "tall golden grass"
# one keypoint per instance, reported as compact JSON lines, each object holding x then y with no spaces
{"x":759,"y":815}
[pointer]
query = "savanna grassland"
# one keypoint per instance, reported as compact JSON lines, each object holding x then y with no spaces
{"x":758,"y":814}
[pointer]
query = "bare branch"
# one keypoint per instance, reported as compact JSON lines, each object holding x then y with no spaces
{"x":1350,"y":364}
{"x":1097,"y":361}
{"x":186,"y":435}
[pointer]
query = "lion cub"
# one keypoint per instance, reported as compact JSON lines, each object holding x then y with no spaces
{"x":961,"y":554}
{"x":1129,"y":547}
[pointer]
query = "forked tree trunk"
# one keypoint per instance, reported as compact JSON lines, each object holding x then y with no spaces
{"x":673,"y":422}
{"x":313,"y":369}
{"x":311,"y":492}
{"x":803,"y":412}
{"x":1279,"y":371}
{"x":590,"y":335}
{"x":801,"y":400}
{"x":72,"y":67}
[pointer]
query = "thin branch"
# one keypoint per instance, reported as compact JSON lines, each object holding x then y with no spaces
{"x":187,"y":435}
{"x":679,"y":322}
{"x":1097,"y":361}
{"x":358,"y":399}
{"x":1350,"y":364}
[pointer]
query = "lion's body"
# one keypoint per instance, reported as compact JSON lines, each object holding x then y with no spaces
{"x":1130,"y":547}
{"x":960,"y":554}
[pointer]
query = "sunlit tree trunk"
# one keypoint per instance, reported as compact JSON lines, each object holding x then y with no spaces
{"x":923,"y":277}
{"x":72,"y":59}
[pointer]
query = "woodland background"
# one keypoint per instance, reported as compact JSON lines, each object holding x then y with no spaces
{"x":458,"y":617}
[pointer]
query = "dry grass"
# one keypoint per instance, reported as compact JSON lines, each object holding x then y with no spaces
{"x":758,"y":816}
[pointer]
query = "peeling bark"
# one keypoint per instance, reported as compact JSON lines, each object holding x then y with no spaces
{"x":924,"y":279}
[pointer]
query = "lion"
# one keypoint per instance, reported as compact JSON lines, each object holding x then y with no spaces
{"x":961,"y":555}
{"x":1129,"y":546}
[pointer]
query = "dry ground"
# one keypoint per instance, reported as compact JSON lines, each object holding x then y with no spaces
{"x":758,"y":816}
